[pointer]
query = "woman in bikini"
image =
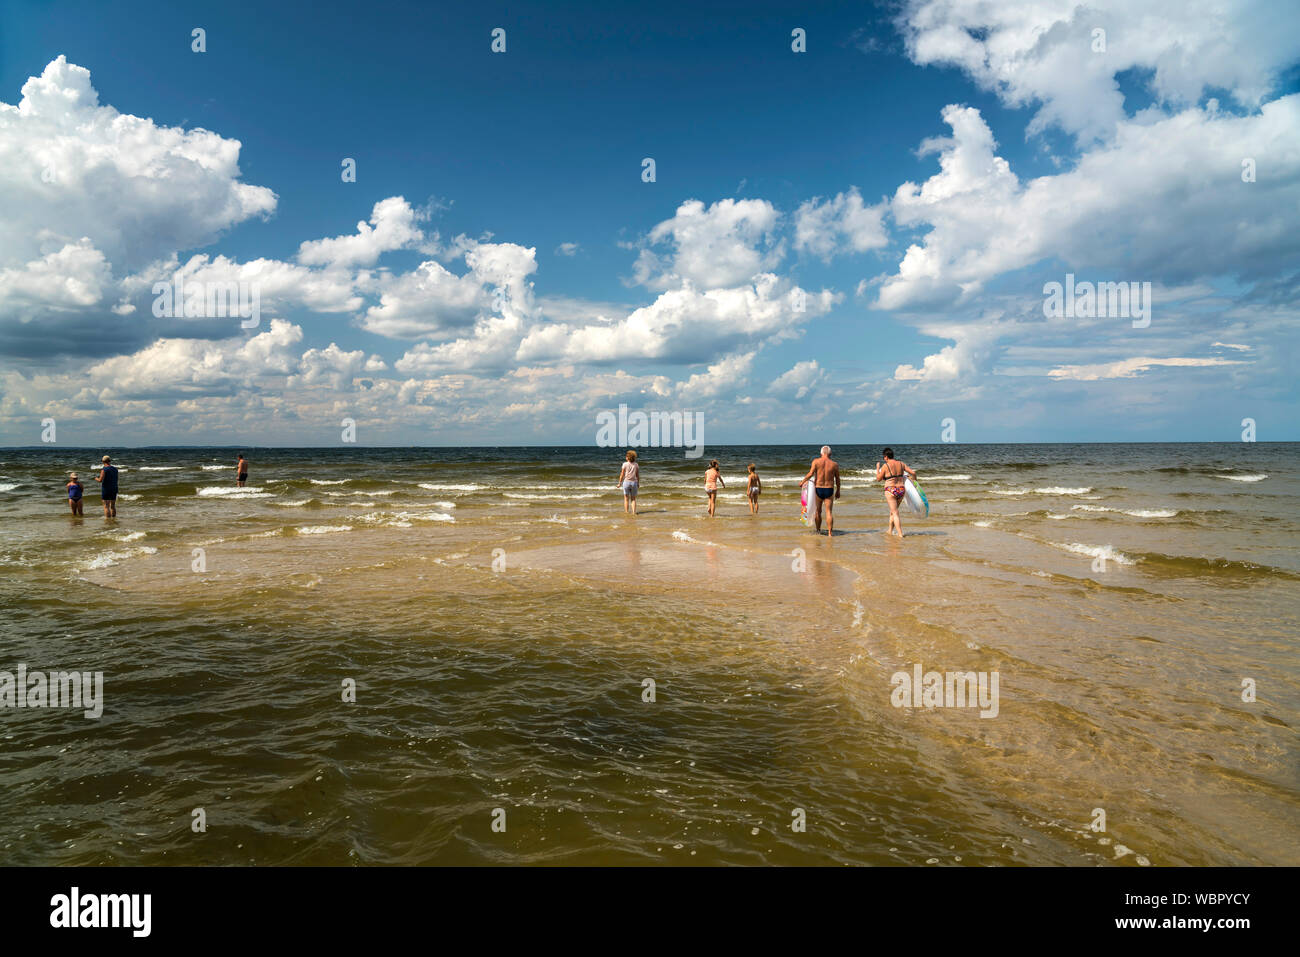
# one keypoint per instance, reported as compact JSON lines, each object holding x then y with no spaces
{"x":712,"y":482}
{"x":892,"y":473}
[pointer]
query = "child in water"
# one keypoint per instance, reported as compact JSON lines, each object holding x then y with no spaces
{"x":754,"y":486}
{"x":74,"y":494}
{"x":712,"y":482}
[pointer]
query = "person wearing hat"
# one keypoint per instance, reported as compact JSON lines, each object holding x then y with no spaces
{"x":74,"y":494}
{"x":107,"y":479}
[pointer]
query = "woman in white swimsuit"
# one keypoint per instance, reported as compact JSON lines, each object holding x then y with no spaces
{"x":629,"y":478}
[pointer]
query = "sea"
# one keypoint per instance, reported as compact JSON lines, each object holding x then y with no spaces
{"x":474,"y":656}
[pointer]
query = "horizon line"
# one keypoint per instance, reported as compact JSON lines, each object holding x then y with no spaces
{"x":342,"y":446}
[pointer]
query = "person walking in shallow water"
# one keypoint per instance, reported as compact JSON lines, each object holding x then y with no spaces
{"x":241,"y":471}
{"x":712,"y":482}
{"x":629,"y":480}
{"x":753,"y":488}
{"x":107,"y":479}
{"x":825,"y":473}
{"x":893,"y":473}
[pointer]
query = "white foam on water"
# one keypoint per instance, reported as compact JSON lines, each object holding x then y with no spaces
{"x":322,"y":529}
{"x":1014,"y":491}
{"x":552,"y":497}
{"x":108,"y":559}
{"x":423,"y":517}
{"x":160,"y":468}
{"x":305,"y":501}
{"x":8,"y":486}
{"x":683,"y":536}
{"x":1243,"y":478}
{"x":948,"y":478}
{"x":130,"y":537}
{"x":1134,"y":512}
{"x":328,"y":481}
{"x":217,"y":468}
{"x":435,"y":487}
{"x":129,"y":498}
{"x":1058,"y":490}
{"x":982,"y":524}
{"x":232,"y":491}
{"x":1096,"y":551}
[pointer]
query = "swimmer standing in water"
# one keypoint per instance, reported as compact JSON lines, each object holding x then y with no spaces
{"x":629,"y":479}
{"x":75,"y":491}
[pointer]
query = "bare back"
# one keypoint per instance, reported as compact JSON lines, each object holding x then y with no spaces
{"x":825,"y":472}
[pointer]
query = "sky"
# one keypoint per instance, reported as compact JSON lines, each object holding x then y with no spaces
{"x":855,"y":218}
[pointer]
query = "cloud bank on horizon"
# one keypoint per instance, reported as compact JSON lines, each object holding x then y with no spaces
{"x":1164,"y":150}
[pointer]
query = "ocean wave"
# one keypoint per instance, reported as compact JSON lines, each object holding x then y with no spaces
{"x":216,"y":468}
{"x":1108,"y":552}
{"x":1058,"y":490}
{"x":8,"y":486}
{"x":435,"y":487}
{"x":160,"y":468}
{"x":108,"y":559}
{"x":526,"y":495}
{"x":948,"y":478}
{"x":129,"y":537}
{"x":982,"y":524}
{"x":1134,"y":512}
{"x":129,"y":498}
{"x":328,"y":481}
{"x":424,"y":516}
{"x":1243,"y":478}
{"x":232,"y":491}
{"x":321,"y":529}
{"x":683,"y":536}
{"x":299,"y":504}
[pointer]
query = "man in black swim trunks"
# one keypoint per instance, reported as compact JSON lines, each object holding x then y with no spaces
{"x":825,"y":473}
{"x":241,"y":471}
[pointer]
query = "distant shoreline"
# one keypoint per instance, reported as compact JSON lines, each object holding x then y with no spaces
{"x":614,"y":450}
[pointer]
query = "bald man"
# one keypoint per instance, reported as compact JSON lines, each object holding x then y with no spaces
{"x":825,"y":473}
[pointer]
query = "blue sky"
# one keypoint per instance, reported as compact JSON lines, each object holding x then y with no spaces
{"x":919,"y":174}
